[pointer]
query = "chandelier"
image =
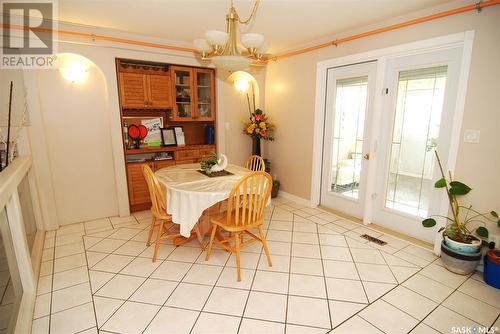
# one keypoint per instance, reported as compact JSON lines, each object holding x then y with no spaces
{"x":222,"y":48}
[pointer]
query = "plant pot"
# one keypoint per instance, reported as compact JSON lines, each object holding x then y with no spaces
{"x":274,"y":191}
{"x":459,"y":262}
{"x":491,"y":273}
{"x":462,"y":247}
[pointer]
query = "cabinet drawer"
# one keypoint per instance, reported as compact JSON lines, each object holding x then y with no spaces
{"x":186,"y":154}
{"x":203,"y":152}
{"x":185,"y":161}
{"x":137,"y":186}
{"x":163,"y":163}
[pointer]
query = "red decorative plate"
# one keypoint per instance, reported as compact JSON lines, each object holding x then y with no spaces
{"x":133,"y":131}
{"x":143,"y":131}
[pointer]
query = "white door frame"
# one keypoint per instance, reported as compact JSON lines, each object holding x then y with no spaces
{"x":368,"y":69}
{"x":464,"y":39}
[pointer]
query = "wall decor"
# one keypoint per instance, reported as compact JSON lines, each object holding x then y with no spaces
{"x":168,"y":137}
{"x":154,"y":125}
{"x":179,"y":136}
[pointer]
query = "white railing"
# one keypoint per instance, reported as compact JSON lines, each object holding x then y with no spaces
{"x":15,"y":241}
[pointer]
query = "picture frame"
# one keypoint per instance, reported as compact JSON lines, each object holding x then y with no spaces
{"x":168,"y":137}
{"x":179,"y":136}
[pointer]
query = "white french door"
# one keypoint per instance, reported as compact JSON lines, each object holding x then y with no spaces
{"x":349,"y":95}
{"x":417,"y":118}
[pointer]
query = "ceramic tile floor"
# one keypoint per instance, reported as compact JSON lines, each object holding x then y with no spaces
{"x":98,"y":276}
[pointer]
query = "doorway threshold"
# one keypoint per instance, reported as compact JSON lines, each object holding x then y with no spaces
{"x":392,"y":233}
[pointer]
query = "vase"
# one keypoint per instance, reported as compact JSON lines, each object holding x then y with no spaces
{"x":256,"y":146}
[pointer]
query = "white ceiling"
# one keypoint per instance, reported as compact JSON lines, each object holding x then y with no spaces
{"x":285,"y":24}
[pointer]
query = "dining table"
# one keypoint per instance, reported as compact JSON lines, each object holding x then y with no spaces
{"x":192,"y":197}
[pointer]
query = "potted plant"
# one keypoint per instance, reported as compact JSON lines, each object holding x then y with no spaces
{"x":461,"y":247}
{"x":275,"y":189}
{"x":207,"y":162}
{"x":267,"y":165}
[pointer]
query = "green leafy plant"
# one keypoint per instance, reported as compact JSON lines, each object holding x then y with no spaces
{"x":457,"y":226}
{"x":267,"y":165}
{"x":207,"y":162}
{"x":276,"y":183}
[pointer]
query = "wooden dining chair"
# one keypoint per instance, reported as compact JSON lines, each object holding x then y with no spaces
{"x":245,"y":212}
{"x":255,"y":163}
{"x":160,"y":217}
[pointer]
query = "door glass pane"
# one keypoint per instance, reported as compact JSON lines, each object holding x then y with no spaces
{"x":183,"y":93}
{"x":203,"y":89}
{"x":419,"y":104}
{"x":10,"y":283}
{"x":349,"y":117}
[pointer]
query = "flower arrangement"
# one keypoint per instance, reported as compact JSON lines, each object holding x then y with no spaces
{"x":259,"y":126}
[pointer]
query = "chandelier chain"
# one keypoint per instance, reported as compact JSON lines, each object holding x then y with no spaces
{"x":252,"y":14}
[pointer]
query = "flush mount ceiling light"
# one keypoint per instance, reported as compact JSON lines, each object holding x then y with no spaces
{"x":222,"y":47}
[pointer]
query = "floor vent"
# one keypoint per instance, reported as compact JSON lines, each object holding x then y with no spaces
{"x":373,"y":239}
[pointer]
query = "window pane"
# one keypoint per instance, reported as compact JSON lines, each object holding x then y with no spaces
{"x":419,"y":105}
{"x":348,"y":127}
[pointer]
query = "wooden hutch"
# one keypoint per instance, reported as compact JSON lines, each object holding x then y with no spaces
{"x":181,"y":96}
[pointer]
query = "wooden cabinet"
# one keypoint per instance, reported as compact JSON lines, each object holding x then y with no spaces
{"x":160,"y":91}
{"x":145,"y":91}
{"x":204,"y":94}
{"x":163,"y":164}
{"x":137,"y":187}
{"x":194,"y":94}
{"x":182,"y":82}
{"x":133,"y":90}
{"x":176,"y":93}
{"x":138,"y":191}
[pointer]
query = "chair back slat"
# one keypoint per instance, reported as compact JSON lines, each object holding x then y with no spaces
{"x":248,"y":198}
{"x":255,"y":163}
{"x":158,"y":202}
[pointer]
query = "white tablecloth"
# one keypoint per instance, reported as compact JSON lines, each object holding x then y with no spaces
{"x":189,"y":193}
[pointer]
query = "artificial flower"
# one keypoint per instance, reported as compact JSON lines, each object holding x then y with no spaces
{"x":259,"y":126}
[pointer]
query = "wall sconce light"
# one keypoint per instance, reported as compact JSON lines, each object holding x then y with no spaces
{"x":242,"y":81}
{"x":74,"y":72}
{"x":241,"y":84}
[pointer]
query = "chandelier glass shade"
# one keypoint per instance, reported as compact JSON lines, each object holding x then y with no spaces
{"x":223,"y":49}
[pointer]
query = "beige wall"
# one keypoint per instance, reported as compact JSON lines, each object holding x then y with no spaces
{"x":237,"y":146}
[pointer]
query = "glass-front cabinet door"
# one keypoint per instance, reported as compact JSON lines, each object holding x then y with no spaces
{"x":204,"y":94}
{"x":183,"y":86}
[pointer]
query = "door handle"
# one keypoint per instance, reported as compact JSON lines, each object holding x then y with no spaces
{"x":366,"y":156}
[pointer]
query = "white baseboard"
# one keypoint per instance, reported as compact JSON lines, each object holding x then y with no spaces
{"x":294,"y":198}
